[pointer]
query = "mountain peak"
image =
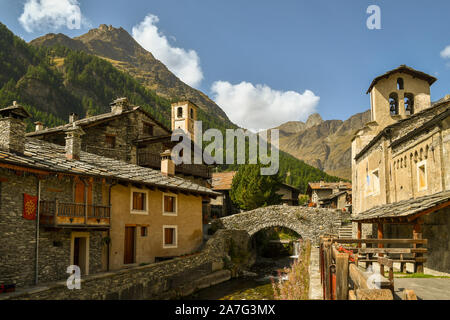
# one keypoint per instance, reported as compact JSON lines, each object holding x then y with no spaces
{"x":314,"y":120}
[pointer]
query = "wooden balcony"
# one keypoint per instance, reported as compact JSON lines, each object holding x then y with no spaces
{"x":74,"y":215}
{"x":147,"y":159}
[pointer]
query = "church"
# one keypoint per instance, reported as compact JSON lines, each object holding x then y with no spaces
{"x":401,"y":165}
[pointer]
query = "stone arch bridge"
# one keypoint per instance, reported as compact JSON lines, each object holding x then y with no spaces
{"x":309,"y":223}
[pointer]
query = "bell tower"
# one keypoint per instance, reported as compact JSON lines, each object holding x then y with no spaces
{"x":184,"y":113}
{"x":398,"y":94}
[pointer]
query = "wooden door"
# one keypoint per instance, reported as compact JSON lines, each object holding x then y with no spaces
{"x":130,"y":233}
{"x":79,"y":192}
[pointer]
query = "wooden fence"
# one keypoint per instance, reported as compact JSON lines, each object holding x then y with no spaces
{"x":343,"y":279}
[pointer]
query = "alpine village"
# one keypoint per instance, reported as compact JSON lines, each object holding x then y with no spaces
{"x":91,"y":198}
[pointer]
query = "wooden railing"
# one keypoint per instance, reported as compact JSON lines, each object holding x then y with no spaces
{"x":148,"y":159}
{"x":343,"y":279}
{"x":57,"y":214}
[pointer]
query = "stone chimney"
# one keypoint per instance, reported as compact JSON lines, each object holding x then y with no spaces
{"x":120,"y":105}
{"x":39,"y":126}
{"x":73,"y":142}
{"x":13,"y":128}
{"x":73,"y":117}
{"x":167,"y":164}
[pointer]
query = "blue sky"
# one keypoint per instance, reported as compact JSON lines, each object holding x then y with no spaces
{"x":250,"y":51}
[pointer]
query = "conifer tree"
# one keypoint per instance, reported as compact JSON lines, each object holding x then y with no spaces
{"x":251,"y":190}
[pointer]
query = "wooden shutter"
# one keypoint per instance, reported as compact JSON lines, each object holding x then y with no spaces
{"x":138,"y":201}
{"x":169,"y":204}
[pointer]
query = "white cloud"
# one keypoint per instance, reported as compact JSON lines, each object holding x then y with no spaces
{"x":260,"y":107}
{"x":51,"y":14}
{"x":185,"y":64}
{"x":446,"y":53}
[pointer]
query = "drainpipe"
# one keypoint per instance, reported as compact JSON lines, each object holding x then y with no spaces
{"x":36,"y":277}
{"x":109,"y":230}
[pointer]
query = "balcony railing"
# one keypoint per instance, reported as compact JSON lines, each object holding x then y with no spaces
{"x":74,"y":215}
{"x":152,"y":160}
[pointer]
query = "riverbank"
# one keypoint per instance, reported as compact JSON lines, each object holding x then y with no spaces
{"x":252,"y":285}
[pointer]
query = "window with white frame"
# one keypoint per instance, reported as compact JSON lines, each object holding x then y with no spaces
{"x":422,"y":175}
{"x":169,"y":204}
{"x":170,"y":236}
{"x":139,"y":201}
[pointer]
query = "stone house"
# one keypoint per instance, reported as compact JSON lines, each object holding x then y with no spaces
{"x":341,"y":200}
{"x":321,"y":189}
{"x":222,"y":206}
{"x":401,"y":164}
{"x":289,"y":194}
{"x":129,"y":133}
{"x":92,"y":211}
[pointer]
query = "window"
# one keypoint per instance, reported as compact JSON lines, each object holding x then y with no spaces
{"x":373,"y":183}
{"x":400,"y":84}
{"x":393,"y":104}
{"x":170,"y":236}
{"x":179,"y":112}
{"x":409,"y":103}
{"x":192,"y":113}
{"x":422,"y":175}
{"x":169,"y":204}
{"x":148,"y":129}
{"x":110,"y":141}
{"x":144,"y":231}
{"x":376,"y":182}
{"x":139,"y":201}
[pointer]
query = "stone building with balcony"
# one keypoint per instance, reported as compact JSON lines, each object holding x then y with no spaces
{"x":401,"y":165}
{"x":92,"y":211}
{"x":129,"y":133}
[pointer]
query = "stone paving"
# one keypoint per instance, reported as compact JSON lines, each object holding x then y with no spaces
{"x":315,"y":288}
{"x":425,"y":288}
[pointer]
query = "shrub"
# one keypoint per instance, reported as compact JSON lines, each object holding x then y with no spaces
{"x":296,"y":287}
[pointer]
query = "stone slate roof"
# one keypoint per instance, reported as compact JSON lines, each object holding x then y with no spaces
{"x":332,"y":196}
{"x":405,"y":208}
{"x":404,"y":69}
{"x":329,"y":185}
{"x":95,"y":120}
{"x":222,"y":180}
{"x":51,"y":157}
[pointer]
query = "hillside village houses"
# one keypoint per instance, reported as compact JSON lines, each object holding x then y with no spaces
{"x":335,"y":195}
{"x":222,"y":205}
{"x":401,"y":165}
{"x":61,"y":206}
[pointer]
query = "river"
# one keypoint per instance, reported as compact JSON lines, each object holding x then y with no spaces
{"x":254,"y":285}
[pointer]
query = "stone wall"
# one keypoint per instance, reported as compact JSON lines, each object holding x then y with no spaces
{"x":163,"y":280}
{"x":309,"y":223}
{"x":12,"y":134}
{"x":18,"y":245}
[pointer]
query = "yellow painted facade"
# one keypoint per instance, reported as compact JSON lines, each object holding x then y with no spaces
{"x":147,"y":246}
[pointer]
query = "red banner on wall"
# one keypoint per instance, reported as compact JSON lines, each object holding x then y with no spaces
{"x":29,"y":207}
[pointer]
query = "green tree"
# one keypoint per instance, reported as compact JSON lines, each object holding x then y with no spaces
{"x":251,"y":190}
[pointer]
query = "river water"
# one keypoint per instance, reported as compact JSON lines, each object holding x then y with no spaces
{"x":254,"y":285}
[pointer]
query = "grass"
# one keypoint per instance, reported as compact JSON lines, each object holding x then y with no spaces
{"x":296,"y":287}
